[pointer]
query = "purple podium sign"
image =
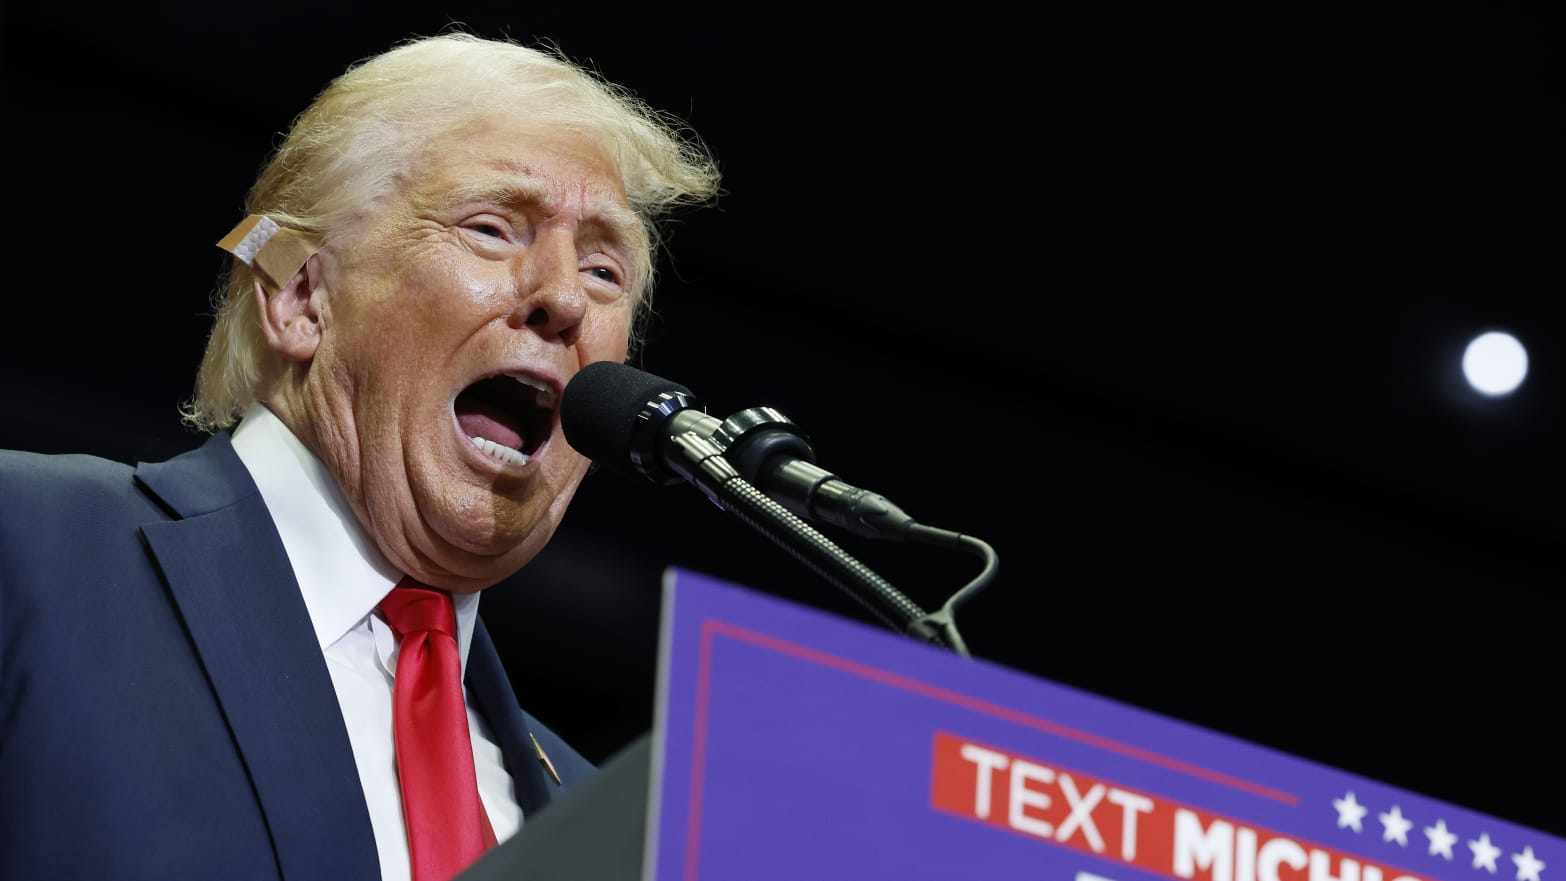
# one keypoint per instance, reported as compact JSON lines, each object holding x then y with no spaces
{"x":792,"y":744}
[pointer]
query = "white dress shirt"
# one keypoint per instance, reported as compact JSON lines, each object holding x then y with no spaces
{"x":343,"y":577}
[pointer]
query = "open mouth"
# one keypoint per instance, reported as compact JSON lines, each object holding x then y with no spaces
{"x":507,"y":417}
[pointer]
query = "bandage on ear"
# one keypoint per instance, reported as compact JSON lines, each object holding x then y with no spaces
{"x":276,"y":251}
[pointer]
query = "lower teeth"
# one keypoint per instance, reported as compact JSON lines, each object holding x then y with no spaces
{"x":503,"y":453}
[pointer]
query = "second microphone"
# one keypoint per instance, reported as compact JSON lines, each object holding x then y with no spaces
{"x":626,"y":419}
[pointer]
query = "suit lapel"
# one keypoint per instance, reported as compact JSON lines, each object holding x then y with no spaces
{"x":231,"y":579}
{"x":493,"y":695}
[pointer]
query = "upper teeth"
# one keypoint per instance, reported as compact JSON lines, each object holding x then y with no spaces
{"x":546,"y":395}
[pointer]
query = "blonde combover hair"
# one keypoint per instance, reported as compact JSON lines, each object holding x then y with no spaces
{"x":360,"y":138}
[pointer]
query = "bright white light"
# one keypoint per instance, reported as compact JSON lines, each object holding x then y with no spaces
{"x":1495,"y":363}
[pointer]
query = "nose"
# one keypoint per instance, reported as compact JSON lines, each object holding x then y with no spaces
{"x":552,"y":301}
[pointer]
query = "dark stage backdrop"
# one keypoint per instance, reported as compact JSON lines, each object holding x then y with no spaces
{"x":1165,"y":306}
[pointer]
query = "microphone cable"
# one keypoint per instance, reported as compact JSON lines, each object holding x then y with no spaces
{"x":759,"y":466}
{"x":706,"y":467}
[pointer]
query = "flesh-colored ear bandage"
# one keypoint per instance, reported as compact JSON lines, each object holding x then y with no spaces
{"x":276,"y":251}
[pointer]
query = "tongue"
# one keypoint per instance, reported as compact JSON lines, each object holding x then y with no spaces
{"x":482,"y":419}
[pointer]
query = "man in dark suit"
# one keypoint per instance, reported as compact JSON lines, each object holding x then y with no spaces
{"x":200,"y":667}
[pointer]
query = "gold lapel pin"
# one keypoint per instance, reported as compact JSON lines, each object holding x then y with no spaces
{"x":544,"y":760}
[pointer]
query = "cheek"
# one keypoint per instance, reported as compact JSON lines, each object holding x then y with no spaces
{"x":606,"y":334}
{"x":443,"y":276}
{"x":450,"y":299}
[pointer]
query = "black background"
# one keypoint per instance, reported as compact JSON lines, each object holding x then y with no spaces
{"x":1167,"y":307}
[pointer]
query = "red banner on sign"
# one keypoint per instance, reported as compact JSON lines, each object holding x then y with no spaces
{"x":1066,"y":807}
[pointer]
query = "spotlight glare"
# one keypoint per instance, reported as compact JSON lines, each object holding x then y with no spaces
{"x":1495,"y":363}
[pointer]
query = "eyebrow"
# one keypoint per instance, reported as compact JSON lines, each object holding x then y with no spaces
{"x":623,"y":226}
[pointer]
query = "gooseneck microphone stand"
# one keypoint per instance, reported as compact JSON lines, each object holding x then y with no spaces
{"x":708,"y":462}
{"x":760,"y":467}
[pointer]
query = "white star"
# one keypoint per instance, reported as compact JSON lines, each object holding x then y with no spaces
{"x":1396,"y":826}
{"x":1528,"y":865}
{"x":1484,"y":852}
{"x":1350,"y":812}
{"x":1441,"y":841}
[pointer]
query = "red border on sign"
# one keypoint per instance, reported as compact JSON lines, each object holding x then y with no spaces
{"x":711,"y":627}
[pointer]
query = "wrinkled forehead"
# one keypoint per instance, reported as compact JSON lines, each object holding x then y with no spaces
{"x":519,"y":161}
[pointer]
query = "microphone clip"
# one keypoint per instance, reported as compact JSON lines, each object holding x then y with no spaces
{"x":753,"y":437}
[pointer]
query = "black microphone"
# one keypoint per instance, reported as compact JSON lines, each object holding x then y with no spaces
{"x":645,"y":426}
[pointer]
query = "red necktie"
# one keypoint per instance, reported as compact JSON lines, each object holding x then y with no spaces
{"x":447,"y":826}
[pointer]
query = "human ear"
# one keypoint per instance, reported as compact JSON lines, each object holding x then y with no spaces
{"x":291,"y":315}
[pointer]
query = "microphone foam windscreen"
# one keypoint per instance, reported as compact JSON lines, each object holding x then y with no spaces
{"x":600,"y":405}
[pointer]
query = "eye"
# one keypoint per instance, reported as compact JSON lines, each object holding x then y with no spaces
{"x":489,"y":225}
{"x":604,"y":273}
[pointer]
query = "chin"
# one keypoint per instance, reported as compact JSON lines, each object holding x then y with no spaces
{"x":467,"y":559}
{"x":465,"y":530}
{"x":469,"y":573}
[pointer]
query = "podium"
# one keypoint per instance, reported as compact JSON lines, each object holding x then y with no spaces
{"x":791,"y":744}
{"x":593,"y":833}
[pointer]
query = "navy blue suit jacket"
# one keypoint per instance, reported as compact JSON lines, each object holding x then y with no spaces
{"x":165,"y":710}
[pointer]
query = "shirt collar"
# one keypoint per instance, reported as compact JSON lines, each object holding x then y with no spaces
{"x":342,"y":575}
